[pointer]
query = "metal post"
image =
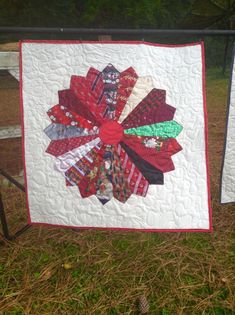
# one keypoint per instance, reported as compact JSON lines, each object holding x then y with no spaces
{"x":12,"y":180}
{"x":4,"y":220}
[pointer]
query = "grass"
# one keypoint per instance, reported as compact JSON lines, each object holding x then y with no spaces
{"x":107,"y":272}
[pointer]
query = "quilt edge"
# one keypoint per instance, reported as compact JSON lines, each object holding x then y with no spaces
{"x":194,"y":230}
{"x":226,"y":129}
{"x":47,"y":41}
{"x":22,"y":130}
{"x":206,"y":135}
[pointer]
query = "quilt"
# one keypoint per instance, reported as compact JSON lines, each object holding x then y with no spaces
{"x":228,"y":165}
{"x":115,"y":135}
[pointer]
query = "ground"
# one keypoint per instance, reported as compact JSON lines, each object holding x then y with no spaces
{"x":63,"y":271}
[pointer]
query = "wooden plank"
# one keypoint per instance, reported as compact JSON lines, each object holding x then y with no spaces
{"x":15,"y":73}
{"x":104,"y":38}
{"x":9,"y":60}
{"x":10,"y":132}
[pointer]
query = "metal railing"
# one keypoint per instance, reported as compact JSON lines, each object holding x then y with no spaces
{"x":114,"y":31}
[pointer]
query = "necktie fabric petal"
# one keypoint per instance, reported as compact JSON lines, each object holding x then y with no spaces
{"x":60,"y":131}
{"x":60,"y":147}
{"x":135,"y":177}
{"x":127,"y":81}
{"x":69,"y":99}
{"x":62,"y":115}
{"x":159,"y":159}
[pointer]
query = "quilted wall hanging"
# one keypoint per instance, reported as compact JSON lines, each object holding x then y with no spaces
{"x":228,"y":165}
{"x":115,"y":135}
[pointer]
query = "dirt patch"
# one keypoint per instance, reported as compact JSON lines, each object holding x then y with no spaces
{"x":9,"y":107}
{"x":11,"y":155}
{"x":180,"y":273}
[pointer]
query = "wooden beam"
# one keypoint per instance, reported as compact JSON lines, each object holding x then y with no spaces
{"x":104,"y":38}
{"x":7,"y":132}
{"x":9,"y":60}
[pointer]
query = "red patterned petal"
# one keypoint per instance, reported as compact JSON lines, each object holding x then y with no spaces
{"x":160,"y":159}
{"x":81,"y":87}
{"x":61,"y":115}
{"x":82,"y":168}
{"x":121,"y":187}
{"x":126,"y":84}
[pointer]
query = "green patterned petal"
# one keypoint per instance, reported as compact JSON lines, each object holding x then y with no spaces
{"x":166,"y":129}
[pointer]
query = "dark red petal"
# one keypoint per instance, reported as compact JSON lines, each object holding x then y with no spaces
{"x":152,"y":109}
{"x":88,"y":185}
{"x":81,"y":87}
{"x":127,"y":82}
{"x":68,"y":98}
{"x":161,"y":160}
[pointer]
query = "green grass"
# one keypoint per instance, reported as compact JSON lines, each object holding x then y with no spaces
{"x":179,"y":273}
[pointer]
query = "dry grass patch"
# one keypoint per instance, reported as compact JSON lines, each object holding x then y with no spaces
{"x":106,"y":272}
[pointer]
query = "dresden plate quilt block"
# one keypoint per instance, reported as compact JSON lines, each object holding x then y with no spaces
{"x":228,"y":165}
{"x":115,"y":135}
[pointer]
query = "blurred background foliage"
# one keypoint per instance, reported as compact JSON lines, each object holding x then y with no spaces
{"x":160,"y":14}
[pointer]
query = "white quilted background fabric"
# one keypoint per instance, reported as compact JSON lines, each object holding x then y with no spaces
{"x":228,"y":170}
{"x":182,"y":202}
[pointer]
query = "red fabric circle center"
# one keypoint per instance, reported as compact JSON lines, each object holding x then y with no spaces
{"x":111,"y":132}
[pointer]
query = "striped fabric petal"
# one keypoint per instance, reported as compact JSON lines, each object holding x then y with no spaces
{"x":59,"y":147}
{"x":67,"y":160}
{"x":137,"y":182}
{"x":150,"y":174}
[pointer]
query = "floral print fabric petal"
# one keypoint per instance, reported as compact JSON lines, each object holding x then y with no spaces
{"x":166,"y":129}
